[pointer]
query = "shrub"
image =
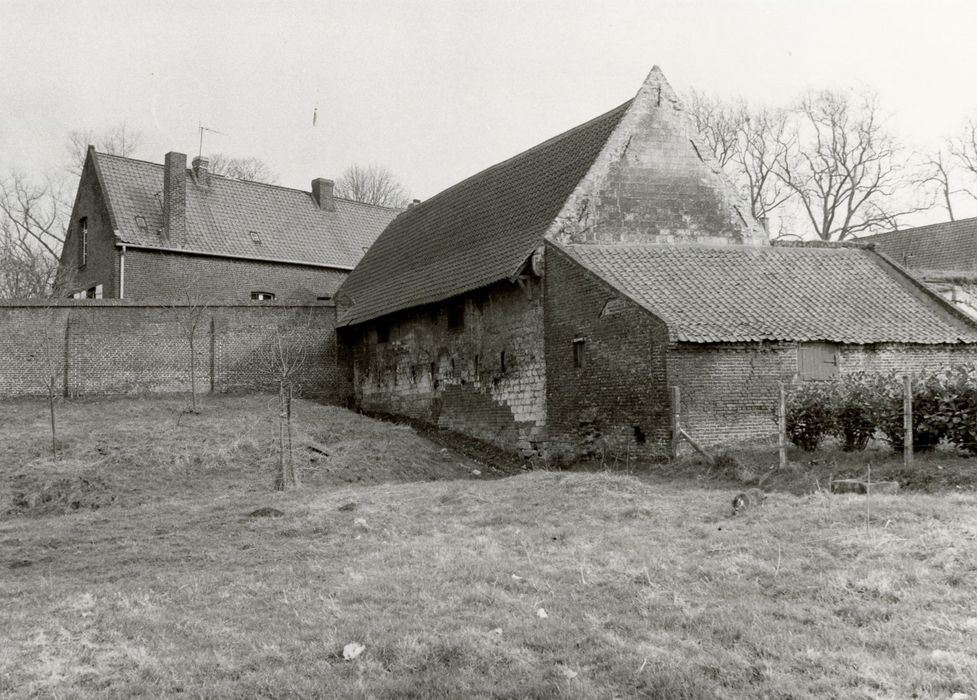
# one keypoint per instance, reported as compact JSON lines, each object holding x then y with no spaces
{"x":853,"y":412}
{"x":809,"y":414}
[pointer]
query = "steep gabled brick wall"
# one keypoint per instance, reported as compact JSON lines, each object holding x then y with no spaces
{"x":616,"y":402}
{"x":102,"y":266}
{"x":456,"y":378}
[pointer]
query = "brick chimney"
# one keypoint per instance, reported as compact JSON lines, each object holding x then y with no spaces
{"x":322,"y":194}
{"x":201,"y":171}
{"x":413,"y":203}
{"x":175,"y":198}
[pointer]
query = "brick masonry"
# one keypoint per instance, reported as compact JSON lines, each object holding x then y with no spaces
{"x":729,"y":391}
{"x":456,"y":378}
{"x":119,"y":347}
{"x":616,"y":400}
{"x":654,"y":182}
{"x":162,"y":276}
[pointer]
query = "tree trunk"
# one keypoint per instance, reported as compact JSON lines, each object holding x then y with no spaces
{"x":54,"y":430}
{"x":281,"y":481}
{"x":293,"y":475}
{"x":193,"y":377}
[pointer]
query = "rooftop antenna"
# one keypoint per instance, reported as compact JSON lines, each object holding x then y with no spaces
{"x":202,"y":128}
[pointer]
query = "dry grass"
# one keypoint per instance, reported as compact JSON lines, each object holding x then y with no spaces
{"x":650,"y":588}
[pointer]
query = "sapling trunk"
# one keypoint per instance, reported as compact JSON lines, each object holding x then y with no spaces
{"x":54,"y":429}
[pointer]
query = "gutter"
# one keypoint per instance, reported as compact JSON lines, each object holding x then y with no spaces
{"x":184,"y":251}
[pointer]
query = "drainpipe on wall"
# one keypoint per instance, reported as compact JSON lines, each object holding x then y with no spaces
{"x":122,"y":274}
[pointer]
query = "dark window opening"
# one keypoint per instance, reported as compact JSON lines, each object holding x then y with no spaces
{"x":262,"y":296}
{"x":323,"y":298}
{"x":475,"y":364}
{"x":90,"y":293}
{"x":639,"y":435}
{"x":579,"y":356}
{"x":83,"y":241}
{"x":383,"y":333}
{"x":413,"y":374}
{"x":456,"y":317}
{"x":434,"y":375}
{"x":502,"y":360}
{"x":452,"y":364}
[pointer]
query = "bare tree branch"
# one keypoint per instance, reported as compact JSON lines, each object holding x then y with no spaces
{"x":250,"y":169}
{"x":847,"y":172}
{"x":373,"y":184}
{"x":118,"y":140}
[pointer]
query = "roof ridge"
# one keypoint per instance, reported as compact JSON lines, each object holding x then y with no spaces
{"x":521,"y":154}
{"x":968,"y":220}
{"x":248,"y":182}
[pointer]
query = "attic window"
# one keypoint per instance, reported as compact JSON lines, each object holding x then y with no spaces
{"x":262,"y":296}
{"x":255,"y":238}
{"x":141,"y":223}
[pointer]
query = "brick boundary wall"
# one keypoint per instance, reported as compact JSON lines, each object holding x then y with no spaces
{"x":125,"y":347}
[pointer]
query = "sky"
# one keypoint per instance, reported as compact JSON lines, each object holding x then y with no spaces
{"x":438,"y":90}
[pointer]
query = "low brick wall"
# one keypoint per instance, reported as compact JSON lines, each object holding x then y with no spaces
{"x":123,"y":347}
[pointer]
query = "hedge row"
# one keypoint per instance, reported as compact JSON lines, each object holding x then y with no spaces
{"x":856,"y":407}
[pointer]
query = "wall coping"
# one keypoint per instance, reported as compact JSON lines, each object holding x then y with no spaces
{"x":127,"y":303}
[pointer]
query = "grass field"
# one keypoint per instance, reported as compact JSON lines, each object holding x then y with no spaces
{"x":131,"y":567}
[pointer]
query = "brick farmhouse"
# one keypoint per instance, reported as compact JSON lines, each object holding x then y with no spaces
{"x":944,"y":255}
{"x":148,"y":232}
{"x":548,"y":303}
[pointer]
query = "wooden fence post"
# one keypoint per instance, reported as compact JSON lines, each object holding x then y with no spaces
{"x":676,"y":420}
{"x":782,"y":427}
{"x":907,"y":420}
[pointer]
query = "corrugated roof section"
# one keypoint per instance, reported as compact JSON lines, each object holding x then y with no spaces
{"x":717,"y":294}
{"x":476,"y":232}
{"x":220,"y":217}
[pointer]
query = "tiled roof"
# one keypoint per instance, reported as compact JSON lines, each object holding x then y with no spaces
{"x":951,"y":245}
{"x":707,"y":294}
{"x":476,"y":232}
{"x":289,"y":224}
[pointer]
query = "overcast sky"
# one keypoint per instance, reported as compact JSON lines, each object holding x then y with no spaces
{"x":439,"y":90}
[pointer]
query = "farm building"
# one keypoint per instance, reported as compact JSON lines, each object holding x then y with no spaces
{"x":548,"y":303}
{"x":148,"y":232}
{"x":944,"y":255}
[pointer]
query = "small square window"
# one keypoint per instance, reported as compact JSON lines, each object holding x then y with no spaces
{"x":255,"y":238}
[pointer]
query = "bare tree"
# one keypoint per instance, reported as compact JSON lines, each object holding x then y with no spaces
{"x":251,"y":169}
{"x":372,"y":184}
{"x":962,"y":150}
{"x":26,"y":269}
{"x":191,"y":311}
{"x":118,"y":140}
{"x":747,"y":143}
{"x":33,"y":221}
{"x":939,"y":175}
{"x":765,"y":140}
{"x":721,"y":124}
{"x":287,"y":354}
{"x":843,"y":167}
